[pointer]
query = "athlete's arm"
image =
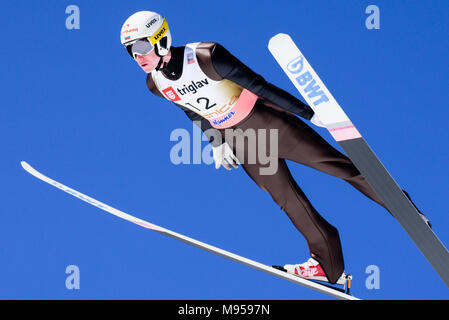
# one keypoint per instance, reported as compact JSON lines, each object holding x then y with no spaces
{"x":229,"y":67}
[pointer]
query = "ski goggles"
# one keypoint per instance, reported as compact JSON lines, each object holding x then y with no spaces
{"x":141,"y":46}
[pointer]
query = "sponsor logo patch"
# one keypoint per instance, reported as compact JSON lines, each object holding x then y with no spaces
{"x":129,"y":30}
{"x":192,"y":87}
{"x":190,"y":56}
{"x":160,"y":33}
{"x":171,"y":94}
{"x":153,"y":21}
{"x":221,"y":121}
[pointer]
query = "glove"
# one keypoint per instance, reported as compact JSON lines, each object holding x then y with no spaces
{"x":223,"y":155}
{"x":316,"y":121}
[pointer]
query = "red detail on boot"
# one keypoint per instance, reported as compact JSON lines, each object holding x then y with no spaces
{"x":312,"y":271}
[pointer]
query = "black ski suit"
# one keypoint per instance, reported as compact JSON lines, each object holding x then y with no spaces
{"x":277,"y":109}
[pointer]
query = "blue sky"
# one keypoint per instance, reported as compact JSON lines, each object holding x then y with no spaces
{"x":76,"y":107}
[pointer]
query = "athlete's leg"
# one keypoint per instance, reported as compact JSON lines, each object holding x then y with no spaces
{"x":300,"y":143}
{"x":322,"y":238}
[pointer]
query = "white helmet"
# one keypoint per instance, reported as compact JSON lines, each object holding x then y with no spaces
{"x":148,"y":26}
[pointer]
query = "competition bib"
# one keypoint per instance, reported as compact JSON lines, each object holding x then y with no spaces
{"x":224,"y":103}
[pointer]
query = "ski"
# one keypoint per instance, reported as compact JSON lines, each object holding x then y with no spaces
{"x":304,"y":78}
{"x":333,"y":292}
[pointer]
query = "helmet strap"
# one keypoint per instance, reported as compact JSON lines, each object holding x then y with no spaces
{"x":158,"y":67}
{"x":161,"y":60}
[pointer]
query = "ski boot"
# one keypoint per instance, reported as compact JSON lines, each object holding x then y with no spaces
{"x":311,"y":270}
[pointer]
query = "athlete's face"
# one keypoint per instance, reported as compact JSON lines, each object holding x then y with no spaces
{"x":147,"y":62}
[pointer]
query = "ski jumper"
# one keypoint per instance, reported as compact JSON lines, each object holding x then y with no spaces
{"x":214,"y":87}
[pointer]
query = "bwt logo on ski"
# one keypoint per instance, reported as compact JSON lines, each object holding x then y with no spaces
{"x":306,"y":81}
{"x":193,"y":87}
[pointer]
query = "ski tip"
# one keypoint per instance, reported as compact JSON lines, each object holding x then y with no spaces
{"x":28,"y":168}
{"x":25,"y":165}
{"x":278,"y":37}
